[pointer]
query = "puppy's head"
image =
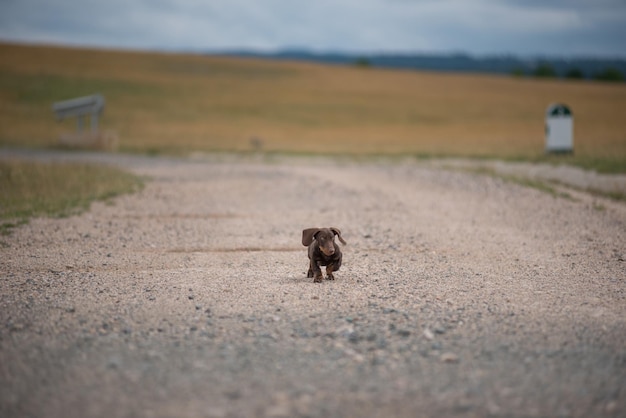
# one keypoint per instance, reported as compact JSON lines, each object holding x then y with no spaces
{"x":324,"y":237}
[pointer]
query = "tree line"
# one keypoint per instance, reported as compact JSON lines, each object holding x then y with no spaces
{"x":605,"y":69}
{"x":546,"y":70}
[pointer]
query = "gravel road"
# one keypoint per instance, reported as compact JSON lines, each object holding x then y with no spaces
{"x":460,"y":295}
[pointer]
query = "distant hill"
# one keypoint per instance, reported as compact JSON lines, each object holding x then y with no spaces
{"x":585,"y":68}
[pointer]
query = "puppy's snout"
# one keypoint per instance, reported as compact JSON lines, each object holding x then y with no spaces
{"x":328,"y":250}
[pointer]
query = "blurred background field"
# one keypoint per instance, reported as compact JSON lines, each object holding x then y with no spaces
{"x":162,"y":103}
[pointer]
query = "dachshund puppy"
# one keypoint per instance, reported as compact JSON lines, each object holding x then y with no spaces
{"x":323,"y":251}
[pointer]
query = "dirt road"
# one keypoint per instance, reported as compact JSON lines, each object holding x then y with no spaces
{"x":460,"y":295}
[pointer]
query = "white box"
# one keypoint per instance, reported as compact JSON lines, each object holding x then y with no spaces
{"x":559,"y":129}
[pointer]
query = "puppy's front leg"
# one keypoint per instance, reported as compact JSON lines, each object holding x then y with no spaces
{"x":317,"y":272}
{"x":329,"y":271}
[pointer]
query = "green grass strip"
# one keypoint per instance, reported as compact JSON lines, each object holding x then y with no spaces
{"x":30,"y":189}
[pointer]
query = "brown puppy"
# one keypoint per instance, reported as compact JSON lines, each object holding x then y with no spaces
{"x":322,"y":251}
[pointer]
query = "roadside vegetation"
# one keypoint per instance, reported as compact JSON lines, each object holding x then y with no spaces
{"x":30,"y":189}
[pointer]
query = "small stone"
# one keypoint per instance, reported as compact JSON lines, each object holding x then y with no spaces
{"x":428,"y":334}
{"x":354,"y":337}
{"x":404,"y":332}
{"x":16,"y":327}
{"x":233,"y":394}
{"x":610,"y":407}
{"x":345,"y":331}
{"x":113,"y":363}
{"x":449,"y":358}
{"x":278,"y":411}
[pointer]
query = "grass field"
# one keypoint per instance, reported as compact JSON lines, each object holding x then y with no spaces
{"x":176,"y":103}
{"x":30,"y":189}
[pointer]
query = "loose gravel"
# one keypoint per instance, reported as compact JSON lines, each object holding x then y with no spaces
{"x":460,"y":295}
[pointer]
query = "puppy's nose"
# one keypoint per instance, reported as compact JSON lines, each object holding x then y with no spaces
{"x":331,"y":251}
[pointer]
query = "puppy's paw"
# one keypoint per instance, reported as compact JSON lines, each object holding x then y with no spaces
{"x":330,"y":277}
{"x":318,"y":279}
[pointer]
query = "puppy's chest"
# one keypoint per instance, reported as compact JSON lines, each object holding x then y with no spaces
{"x":317,"y":255}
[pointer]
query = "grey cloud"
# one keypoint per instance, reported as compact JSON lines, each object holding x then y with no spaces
{"x":477,"y":26}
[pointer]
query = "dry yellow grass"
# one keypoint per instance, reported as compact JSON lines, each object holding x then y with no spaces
{"x":178,"y":103}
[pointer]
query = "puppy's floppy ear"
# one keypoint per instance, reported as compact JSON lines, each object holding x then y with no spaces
{"x":308,"y":235}
{"x":337,"y":232}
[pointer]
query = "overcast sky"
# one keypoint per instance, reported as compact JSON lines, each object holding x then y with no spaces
{"x":479,"y":27}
